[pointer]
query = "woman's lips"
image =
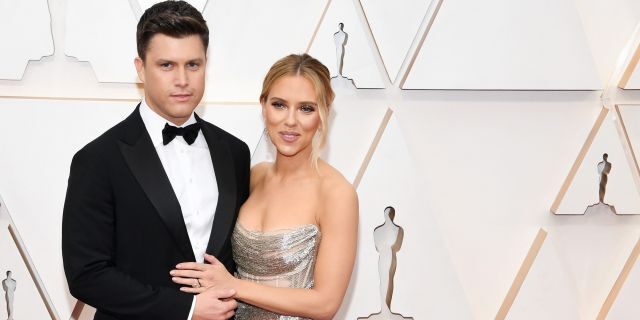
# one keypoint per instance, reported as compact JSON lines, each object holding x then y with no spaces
{"x":289,"y":136}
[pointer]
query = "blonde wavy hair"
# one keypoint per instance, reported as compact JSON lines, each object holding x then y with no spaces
{"x":314,"y":71}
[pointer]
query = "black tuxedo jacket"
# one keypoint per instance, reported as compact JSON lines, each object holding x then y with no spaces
{"x":122,"y":227}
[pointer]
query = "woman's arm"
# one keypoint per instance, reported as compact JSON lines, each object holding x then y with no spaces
{"x":336,"y":255}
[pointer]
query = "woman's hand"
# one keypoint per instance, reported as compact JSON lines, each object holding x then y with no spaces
{"x":198,"y":277}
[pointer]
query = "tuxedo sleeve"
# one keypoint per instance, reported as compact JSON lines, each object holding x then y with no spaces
{"x":88,"y":238}
{"x":246,"y":176}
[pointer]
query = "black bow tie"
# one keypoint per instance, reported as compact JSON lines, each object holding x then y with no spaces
{"x":189,"y":133}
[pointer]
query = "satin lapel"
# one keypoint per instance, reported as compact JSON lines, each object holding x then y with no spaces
{"x":224,"y":169}
{"x":143,"y":160}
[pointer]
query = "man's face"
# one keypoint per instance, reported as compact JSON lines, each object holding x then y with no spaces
{"x":173,"y":74}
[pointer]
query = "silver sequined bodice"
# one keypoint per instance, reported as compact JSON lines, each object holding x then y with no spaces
{"x":283,"y":258}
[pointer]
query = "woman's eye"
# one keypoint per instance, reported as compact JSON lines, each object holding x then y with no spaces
{"x":307,"y":109}
{"x":278,"y":105}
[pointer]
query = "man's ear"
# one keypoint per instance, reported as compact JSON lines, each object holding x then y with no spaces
{"x":139,"y":68}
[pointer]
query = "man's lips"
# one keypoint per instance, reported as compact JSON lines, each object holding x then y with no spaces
{"x":181,"y":96}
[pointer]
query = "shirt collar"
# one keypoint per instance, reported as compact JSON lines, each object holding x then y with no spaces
{"x":155,"y":123}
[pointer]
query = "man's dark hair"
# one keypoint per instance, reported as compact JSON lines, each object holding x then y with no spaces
{"x":177,"y":19}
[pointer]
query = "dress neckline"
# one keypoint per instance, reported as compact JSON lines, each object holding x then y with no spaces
{"x":279,"y":231}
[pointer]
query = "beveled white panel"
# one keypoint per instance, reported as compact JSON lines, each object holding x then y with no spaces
{"x":359,"y":54}
{"x":394,"y":25}
{"x":247,"y":37}
{"x":104,"y":34}
{"x":621,"y":190}
{"x":548,"y":291}
{"x":242,"y":121}
{"x":25,"y":32}
{"x":626,"y":303}
{"x":631,"y":118}
{"x":424,"y":268}
{"x":350,"y":135}
{"x":593,"y":249}
{"x":34,"y":178}
{"x":634,"y":81}
{"x":608,"y":25}
{"x":505,"y":45}
{"x":27,"y":302}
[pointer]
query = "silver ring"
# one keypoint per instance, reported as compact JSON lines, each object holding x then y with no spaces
{"x":197,"y":284}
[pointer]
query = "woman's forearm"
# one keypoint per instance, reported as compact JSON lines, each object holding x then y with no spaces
{"x":308,"y":303}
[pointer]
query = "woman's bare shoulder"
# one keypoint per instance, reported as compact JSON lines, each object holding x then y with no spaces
{"x":259,"y":171}
{"x":335,"y":187}
{"x":339,"y":201}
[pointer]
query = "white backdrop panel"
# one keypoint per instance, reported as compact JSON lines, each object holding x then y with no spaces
{"x":394,"y":25}
{"x":25,"y":32}
{"x":104,"y":34}
{"x":626,"y":303}
{"x":634,"y":81}
{"x":34,"y":170}
{"x":631,"y":117}
{"x":426,"y":285}
{"x":548,"y":292}
{"x":247,"y":37}
{"x":243,"y":121}
{"x":492,"y":163}
{"x":621,"y":190}
{"x":502,"y":45}
{"x":608,"y":25}
{"x":27,"y":303}
{"x":359,"y":54}
{"x":593,"y":249}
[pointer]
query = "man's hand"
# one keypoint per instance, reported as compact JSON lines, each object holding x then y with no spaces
{"x":215,"y":304}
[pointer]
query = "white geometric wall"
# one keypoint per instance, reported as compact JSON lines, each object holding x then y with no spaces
{"x":506,"y":45}
{"x":30,"y":20}
{"x":472,"y":170}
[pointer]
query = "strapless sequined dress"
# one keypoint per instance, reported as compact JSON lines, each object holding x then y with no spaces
{"x":283,"y":258}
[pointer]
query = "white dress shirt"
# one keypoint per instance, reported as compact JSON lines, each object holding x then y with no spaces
{"x":190,"y":171}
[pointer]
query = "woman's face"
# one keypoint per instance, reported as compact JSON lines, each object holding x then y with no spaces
{"x":291,"y":115}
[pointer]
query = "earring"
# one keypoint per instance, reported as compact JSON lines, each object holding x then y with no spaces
{"x":266,"y":133}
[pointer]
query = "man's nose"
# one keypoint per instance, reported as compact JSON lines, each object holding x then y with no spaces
{"x":181,"y":79}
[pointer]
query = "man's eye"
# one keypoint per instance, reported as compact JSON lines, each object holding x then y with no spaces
{"x":165,"y":65}
{"x":193,"y":66}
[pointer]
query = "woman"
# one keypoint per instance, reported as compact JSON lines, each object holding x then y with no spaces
{"x":295,"y":239}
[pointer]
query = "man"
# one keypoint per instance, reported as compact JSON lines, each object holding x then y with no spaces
{"x":147,"y":195}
